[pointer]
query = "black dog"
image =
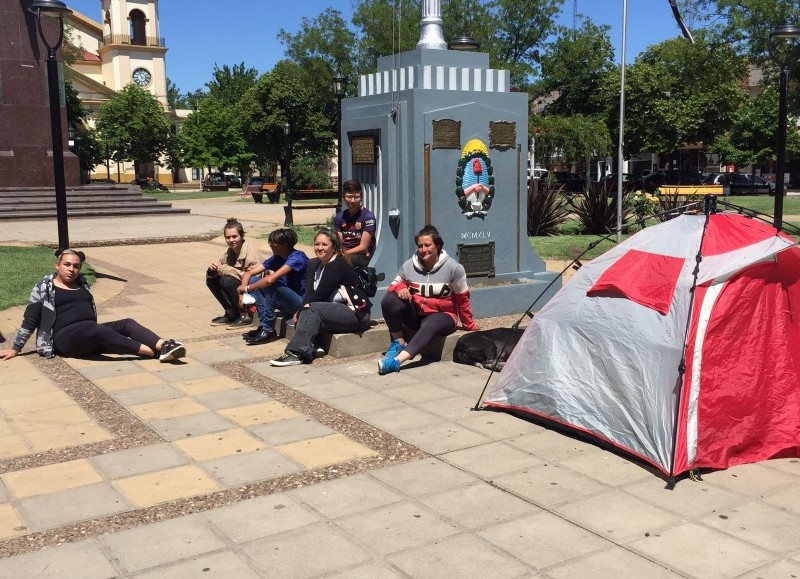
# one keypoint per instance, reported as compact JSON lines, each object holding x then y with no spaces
{"x":483,"y":348}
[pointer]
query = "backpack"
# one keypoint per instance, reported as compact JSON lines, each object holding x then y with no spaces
{"x":368,"y":279}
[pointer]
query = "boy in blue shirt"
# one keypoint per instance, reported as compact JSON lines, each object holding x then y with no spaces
{"x":282,"y":285}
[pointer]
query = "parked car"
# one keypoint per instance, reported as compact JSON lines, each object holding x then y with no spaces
{"x":572,"y":182}
{"x":740,"y":183}
{"x":232,"y":180}
{"x":215,"y":182}
{"x":656,"y":179}
{"x":760,"y":181}
{"x":629,"y":181}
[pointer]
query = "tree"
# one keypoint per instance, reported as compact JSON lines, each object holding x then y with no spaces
{"x":175,"y":98}
{"x":575,"y":66}
{"x":229,"y":84}
{"x":680,"y":93}
{"x":386,"y":27}
{"x":751,"y":138}
{"x":136,"y":118}
{"x":573,"y":139}
{"x":212,"y":137}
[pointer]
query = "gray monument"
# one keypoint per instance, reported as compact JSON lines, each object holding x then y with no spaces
{"x":436,"y":136}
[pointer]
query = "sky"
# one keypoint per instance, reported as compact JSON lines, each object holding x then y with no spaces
{"x":200,"y":33}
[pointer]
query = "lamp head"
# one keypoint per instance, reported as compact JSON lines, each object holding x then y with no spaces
{"x":339,"y":84}
{"x":50,"y":8}
{"x":286,"y":128}
{"x":464,"y":44}
{"x":783,"y":43}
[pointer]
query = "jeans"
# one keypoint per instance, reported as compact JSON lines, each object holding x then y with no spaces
{"x":275,"y":296}
{"x":335,"y":318}
{"x":224,"y":289}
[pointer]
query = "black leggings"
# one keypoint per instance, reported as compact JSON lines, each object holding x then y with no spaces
{"x":88,"y":338}
{"x":224,"y":288}
{"x":398,"y":313}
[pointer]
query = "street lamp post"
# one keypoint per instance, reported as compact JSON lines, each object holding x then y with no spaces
{"x":55,"y":9}
{"x":782,"y":47}
{"x":287,"y":190}
{"x":108,"y":162}
{"x":117,"y":145}
{"x":339,"y":87}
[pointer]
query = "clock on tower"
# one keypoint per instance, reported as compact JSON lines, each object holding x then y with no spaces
{"x":142,"y":77}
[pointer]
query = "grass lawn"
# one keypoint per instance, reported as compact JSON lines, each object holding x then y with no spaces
{"x":23,"y":267}
{"x":764,"y":203}
{"x":182,"y":195}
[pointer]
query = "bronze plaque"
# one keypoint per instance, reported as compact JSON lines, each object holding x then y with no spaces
{"x":477,"y":258}
{"x":502,"y":134}
{"x":447,"y":134}
{"x":363,"y":150}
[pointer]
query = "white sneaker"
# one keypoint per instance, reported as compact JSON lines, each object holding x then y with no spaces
{"x":171,"y":350}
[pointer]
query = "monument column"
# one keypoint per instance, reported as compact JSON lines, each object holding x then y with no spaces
{"x":431,"y":34}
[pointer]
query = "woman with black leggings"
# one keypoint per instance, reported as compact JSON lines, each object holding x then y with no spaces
{"x":62,"y":311}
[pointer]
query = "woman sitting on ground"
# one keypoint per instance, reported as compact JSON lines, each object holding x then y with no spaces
{"x":224,"y":276}
{"x":334,"y":301}
{"x":430,"y":295}
{"x":62,"y":311}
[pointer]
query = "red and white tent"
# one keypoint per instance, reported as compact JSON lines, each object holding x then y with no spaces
{"x":605,"y":355}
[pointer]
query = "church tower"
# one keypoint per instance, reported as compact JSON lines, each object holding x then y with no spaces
{"x":132,"y":48}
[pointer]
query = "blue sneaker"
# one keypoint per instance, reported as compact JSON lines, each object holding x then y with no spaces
{"x":394,"y":349}
{"x":388,"y":365}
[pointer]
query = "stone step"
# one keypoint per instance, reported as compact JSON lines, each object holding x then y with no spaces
{"x":95,"y":212}
{"x":77,"y":201}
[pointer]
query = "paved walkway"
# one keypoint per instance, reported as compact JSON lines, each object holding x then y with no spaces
{"x":222,"y":466}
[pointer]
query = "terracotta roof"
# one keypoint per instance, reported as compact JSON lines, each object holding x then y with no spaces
{"x":90,"y":56}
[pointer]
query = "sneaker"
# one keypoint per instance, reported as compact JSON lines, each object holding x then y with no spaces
{"x":251,"y":334}
{"x":394,"y":349}
{"x":241,"y":322}
{"x":319,"y":352}
{"x":223,"y":320}
{"x":388,"y":365}
{"x":288,"y":359}
{"x":171,"y":350}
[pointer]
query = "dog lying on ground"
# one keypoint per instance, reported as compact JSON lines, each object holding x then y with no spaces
{"x":483,"y":348}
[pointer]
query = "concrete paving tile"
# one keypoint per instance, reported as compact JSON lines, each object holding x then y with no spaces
{"x":84,"y":559}
{"x":260,"y":517}
{"x":306,"y":552}
{"x":346,"y":496}
{"x":5,"y":427}
{"x":178,"y":372}
{"x":549,"y":485}
{"x":698,"y":551}
{"x":250,"y":467}
{"x":687,"y":499}
{"x":357,"y":404}
{"x":478,"y":505}
{"x":159,"y":543}
{"x":611,"y":563}
{"x":790,"y":465}
{"x":442,"y":437}
{"x":422,"y":477}
{"x":748,"y":479}
{"x":498,"y":425}
{"x":41,"y":401}
{"x":215,"y":357}
{"x":146,"y":395}
{"x":66,"y":435}
{"x":399,"y":418}
{"x":262,"y":413}
{"x":543,"y":539}
{"x":69,"y":506}
{"x":618,"y":516}
{"x":787,"y":498}
{"x":50,"y":478}
{"x":764,"y":525}
{"x":397,"y":527}
{"x":11,"y":524}
{"x":160,"y":486}
{"x":206,"y":385}
{"x":138,"y":380}
{"x":328,"y":388}
{"x":608,"y":468}
{"x":371,"y":570}
{"x":218,"y":445}
{"x":15,"y":388}
{"x":13,"y":445}
{"x":141,"y":459}
{"x":417,"y":393}
{"x":50,"y":417}
{"x":453,"y":408}
{"x":465,"y":556}
{"x":166,"y":409}
{"x":297,"y":376}
{"x":192,"y":425}
{"x":776,"y":570}
{"x":490,"y":460}
{"x":230,"y":398}
{"x":549,"y":445}
{"x":290,"y":430}
{"x":324,"y":450}
{"x":223,"y":565}
{"x":4,"y":496}
{"x":109,"y":368}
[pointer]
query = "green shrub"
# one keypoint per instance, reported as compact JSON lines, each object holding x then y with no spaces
{"x":548,"y":208}
{"x":596,"y":209}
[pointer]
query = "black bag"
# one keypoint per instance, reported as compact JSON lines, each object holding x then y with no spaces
{"x":368,"y":279}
